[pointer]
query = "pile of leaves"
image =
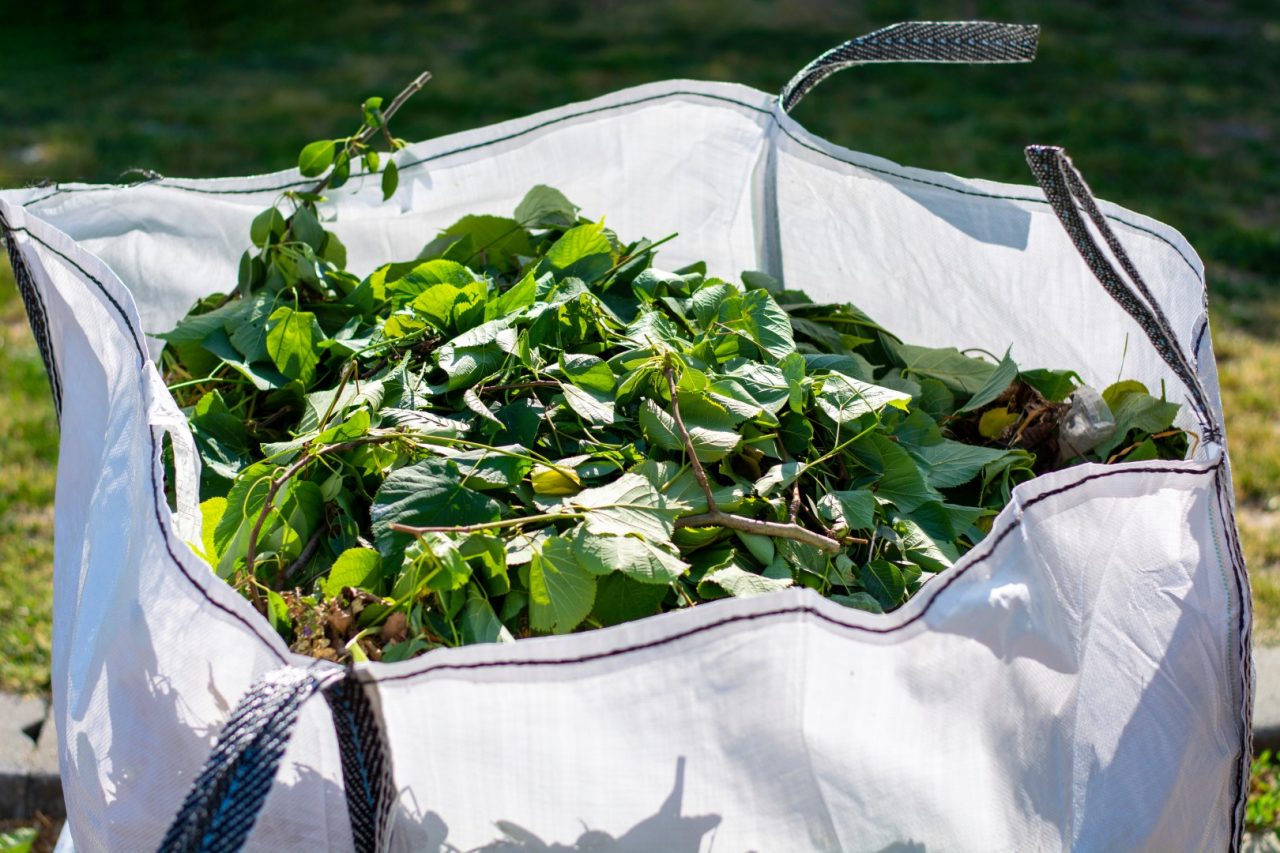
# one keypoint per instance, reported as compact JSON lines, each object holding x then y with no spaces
{"x":530,"y":428}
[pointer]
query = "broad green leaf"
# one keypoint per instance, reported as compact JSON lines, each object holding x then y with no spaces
{"x":711,"y":442}
{"x":266,"y":224}
{"x":1054,"y":385}
{"x":678,"y":483}
{"x":621,"y":599}
{"x":859,"y":601}
{"x":429,"y":493}
{"x":856,"y":507}
{"x":999,"y":380}
{"x":292,"y":337}
{"x":561,"y":591}
{"x":952,"y":463}
{"x":629,"y":505}
{"x":588,"y":372}
{"x":635,"y":557}
{"x":1134,"y":409}
{"x":844,"y":400}
{"x":584,"y":252}
{"x":768,"y":325}
{"x":884,"y":581}
{"x":901,"y":480}
{"x":479,"y":624}
{"x":960,"y":373}
{"x":315,"y":158}
{"x":355,"y":567}
{"x":211,"y":512}
{"x":554,"y":481}
{"x":592,"y":406}
{"x":733,"y":580}
{"x":490,"y":240}
{"x":778,"y":478}
{"x":544,"y":207}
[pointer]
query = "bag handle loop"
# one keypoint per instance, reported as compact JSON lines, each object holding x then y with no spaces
{"x":919,"y":41}
{"x":228,"y":793}
{"x":1068,"y":194}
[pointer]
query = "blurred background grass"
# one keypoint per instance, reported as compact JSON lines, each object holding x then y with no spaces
{"x":1169,"y":110}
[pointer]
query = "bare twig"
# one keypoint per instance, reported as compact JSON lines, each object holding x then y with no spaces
{"x":520,"y":386}
{"x":414,"y":530}
{"x":763,"y":528}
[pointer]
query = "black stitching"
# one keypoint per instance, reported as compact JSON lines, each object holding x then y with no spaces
{"x":677,"y":93}
{"x":933,"y":589}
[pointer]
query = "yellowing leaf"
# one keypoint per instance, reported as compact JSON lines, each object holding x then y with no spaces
{"x":995,"y":421}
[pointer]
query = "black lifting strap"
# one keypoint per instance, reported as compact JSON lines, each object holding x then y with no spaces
{"x":227,"y":795}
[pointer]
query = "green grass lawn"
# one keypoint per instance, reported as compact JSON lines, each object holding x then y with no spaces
{"x":1171,"y":114}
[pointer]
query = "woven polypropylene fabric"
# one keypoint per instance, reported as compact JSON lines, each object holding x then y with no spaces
{"x":1063,"y":187}
{"x":226,"y":797}
{"x":36,"y":314}
{"x":920,"y":41}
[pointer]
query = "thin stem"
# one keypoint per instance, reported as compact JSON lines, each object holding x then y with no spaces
{"x":414,"y":530}
{"x":365,"y":135}
{"x":763,"y":528}
{"x":520,"y":386}
{"x":699,"y":474}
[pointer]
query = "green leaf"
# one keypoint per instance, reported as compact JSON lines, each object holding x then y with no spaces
{"x":844,"y":400}
{"x":901,"y":480}
{"x":561,"y":591}
{"x":588,"y":373}
{"x":620,"y":599}
{"x":584,"y":252}
{"x":591,"y":406}
{"x":18,"y":840}
{"x":859,"y":601}
{"x":952,"y":463}
{"x":960,"y":373}
{"x":490,"y":240}
{"x":355,"y":567}
{"x":316,"y":157}
{"x":712,"y":438}
{"x":1134,"y":409}
{"x":999,"y":380}
{"x":994,"y":422}
{"x":739,"y":583}
{"x":635,"y":557}
{"x":429,"y":493}
{"x":479,"y":624}
{"x":291,"y":342}
{"x":857,"y":507}
{"x":629,"y":505}
{"x":544,"y":207}
{"x":1054,"y":385}
{"x":884,"y":581}
{"x":390,"y":179}
{"x":768,"y":325}
{"x":779,"y":477}
{"x":266,"y":224}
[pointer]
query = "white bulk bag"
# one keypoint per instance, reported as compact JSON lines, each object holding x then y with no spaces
{"x":1079,"y":680}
